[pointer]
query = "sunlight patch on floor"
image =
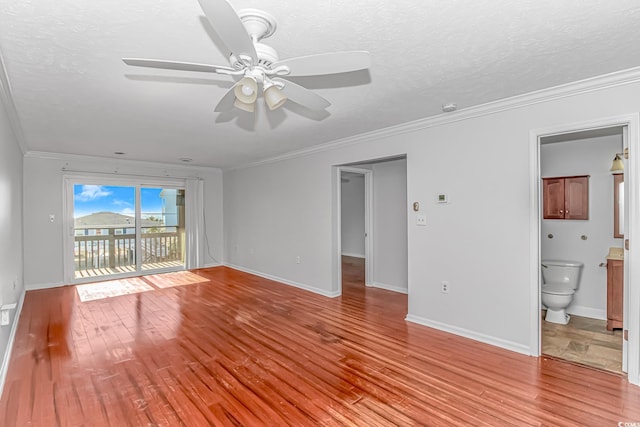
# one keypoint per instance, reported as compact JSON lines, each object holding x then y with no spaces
{"x":112,"y":288}
{"x":169,"y":280}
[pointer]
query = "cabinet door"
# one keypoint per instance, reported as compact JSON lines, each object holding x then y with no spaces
{"x":615,"y":280}
{"x":576,"y":197}
{"x":553,"y":198}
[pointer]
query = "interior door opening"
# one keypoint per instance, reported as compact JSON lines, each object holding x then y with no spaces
{"x":588,"y":332}
{"x":355,"y":220}
{"x":370,"y":224}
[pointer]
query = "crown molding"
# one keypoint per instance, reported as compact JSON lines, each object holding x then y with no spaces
{"x":10,"y":106}
{"x":592,"y":84}
{"x":123,"y":162}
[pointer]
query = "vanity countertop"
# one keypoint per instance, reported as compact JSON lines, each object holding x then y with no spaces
{"x":616,"y":253}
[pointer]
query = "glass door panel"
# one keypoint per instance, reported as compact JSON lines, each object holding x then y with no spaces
{"x":104,"y":230}
{"x":162,"y":228}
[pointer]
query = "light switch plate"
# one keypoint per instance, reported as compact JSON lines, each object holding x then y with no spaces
{"x":4,"y":317}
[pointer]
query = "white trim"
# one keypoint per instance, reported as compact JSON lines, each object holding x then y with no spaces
{"x":393,"y":288}
{"x":6,"y":93}
{"x":535,"y":278}
{"x":285,"y":281}
{"x":4,"y":369}
{"x":353,"y":255}
{"x":39,"y":286}
{"x":618,"y":78}
{"x":466,"y":333}
{"x":632,"y":176}
{"x":632,"y":227}
{"x":121,"y":161}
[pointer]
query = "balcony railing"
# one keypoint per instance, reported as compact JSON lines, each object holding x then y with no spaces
{"x":115,"y":253}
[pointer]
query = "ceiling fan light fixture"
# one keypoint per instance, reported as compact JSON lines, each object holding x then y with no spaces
{"x":274,"y":97}
{"x":246,"y":90}
{"x":249,"y":107}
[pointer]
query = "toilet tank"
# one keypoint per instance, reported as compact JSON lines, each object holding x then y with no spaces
{"x":561,"y":271}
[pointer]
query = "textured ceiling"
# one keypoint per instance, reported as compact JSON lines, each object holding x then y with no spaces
{"x":74,"y":95}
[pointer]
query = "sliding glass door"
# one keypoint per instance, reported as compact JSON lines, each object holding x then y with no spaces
{"x":123,"y":230}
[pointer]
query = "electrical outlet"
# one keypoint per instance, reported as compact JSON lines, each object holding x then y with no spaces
{"x":445,"y":287}
{"x":298,"y":259}
{"x":421,"y":220}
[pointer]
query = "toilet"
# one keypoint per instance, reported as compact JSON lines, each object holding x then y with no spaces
{"x":560,"y":281}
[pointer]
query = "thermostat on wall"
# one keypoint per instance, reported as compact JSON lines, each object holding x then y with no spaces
{"x":443,"y":198}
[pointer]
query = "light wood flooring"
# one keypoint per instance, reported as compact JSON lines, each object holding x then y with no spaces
{"x":240,"y":350}
{"x":584,"y":340}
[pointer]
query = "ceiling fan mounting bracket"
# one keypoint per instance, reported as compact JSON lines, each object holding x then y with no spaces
{"x":259,"y":24}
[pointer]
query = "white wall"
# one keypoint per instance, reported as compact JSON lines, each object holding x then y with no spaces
{"x":390,"y":225}
{"x":11,"y":241}
{"x":352,"y":215}
{"x":584,"y":157}
{"x":43,"y":182}
{"x":480,"y":242}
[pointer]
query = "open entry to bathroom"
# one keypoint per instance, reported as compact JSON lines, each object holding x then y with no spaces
{"x":581,"y":250}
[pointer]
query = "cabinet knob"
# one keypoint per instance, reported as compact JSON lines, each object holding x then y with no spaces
{"x":561,"y":211}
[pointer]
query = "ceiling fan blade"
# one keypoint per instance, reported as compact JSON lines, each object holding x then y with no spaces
{"x":227,"y":24}
{"x":327,"y":63}
{"x":303,"y":96}
{"x":226,"y":103}
{"x":176,"y":65}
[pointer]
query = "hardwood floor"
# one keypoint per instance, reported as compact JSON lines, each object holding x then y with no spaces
{"x":236,"y":349}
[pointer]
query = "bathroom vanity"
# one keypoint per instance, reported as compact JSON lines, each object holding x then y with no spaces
{"x":615,"y":288}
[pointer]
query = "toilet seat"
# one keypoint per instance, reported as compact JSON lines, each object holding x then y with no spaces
{"x":557,"y":289}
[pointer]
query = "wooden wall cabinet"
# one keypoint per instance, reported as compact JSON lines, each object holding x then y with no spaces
{"x":565,"y":197}
{"x":615,"y":283}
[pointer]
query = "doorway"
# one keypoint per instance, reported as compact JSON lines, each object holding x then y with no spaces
{"x":372,"y":214}
{"x":119,"y":229}
{"x":631,"y":288}
{"x":355,"y":221}
{"x":590,"y":337}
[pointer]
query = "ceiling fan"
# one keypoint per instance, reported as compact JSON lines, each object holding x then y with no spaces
{"x":257,"y":64}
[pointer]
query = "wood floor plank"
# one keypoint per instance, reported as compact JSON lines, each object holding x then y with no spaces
{"x":217,"y":346}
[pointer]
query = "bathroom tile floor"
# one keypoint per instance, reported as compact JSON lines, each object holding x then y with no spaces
{"x":584,"y":341}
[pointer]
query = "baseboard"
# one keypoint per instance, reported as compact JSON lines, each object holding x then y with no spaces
{"x":211,"y":265}
{"x":389,"y":287}
{"x":38,"y":286}
{"x":497,"y":342}
{"x":592,"y":313}
{"x":353,"y":255}
{"x":12,"y":337}
{"x":313,"y":289}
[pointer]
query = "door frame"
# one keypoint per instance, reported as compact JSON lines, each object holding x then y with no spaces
{"x":632,"y":268}
{"x":368,"y":225}
{"x":68,"y":225}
